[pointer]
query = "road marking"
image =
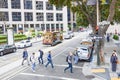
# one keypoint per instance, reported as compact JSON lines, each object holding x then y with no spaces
{"x":67,"y":66}
{"x":100,"y":70}
{"x":55,"y":77}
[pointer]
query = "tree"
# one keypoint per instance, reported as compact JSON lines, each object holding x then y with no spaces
{"x":87,"y":14}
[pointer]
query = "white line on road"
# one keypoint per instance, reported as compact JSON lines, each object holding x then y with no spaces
{"x":67,"y":65}
{"x":55,"y":77}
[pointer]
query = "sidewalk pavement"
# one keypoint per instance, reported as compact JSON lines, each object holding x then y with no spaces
{"x":103,"y":72}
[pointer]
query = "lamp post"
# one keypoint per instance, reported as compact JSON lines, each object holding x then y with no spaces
{"x":97,"y":40}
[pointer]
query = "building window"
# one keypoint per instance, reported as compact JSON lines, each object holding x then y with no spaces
{"x":39,"y":17}
{"x":57,"y":27}
{"x":4,"y":16}
{"x":15,"y":4}
{"x":49,"y":16}
{"x":42,"y":27}
{"x":28,"y":16}
{"x":3,"y":3}
{"x":16,"y":16}
{"x":59,"y":17}
{"x":69,"y":14}
{"x":39,"y":5}
{"x":48,"y":27}
{"x":49,"y":6}
{"x":52,"y":27}
{"x":59,"y":8}
{"x":27,"y":4}
{"x":61,"y":27}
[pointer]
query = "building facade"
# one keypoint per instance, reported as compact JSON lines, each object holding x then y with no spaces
{"x":38,"y":14}
{"x":71,"y":19}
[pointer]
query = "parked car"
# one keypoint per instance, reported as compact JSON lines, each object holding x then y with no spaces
{"x":67,"y":36}
{"x":5,"y":49}
{"x":71,"y":33}
{"x":23,"y":44}
{"x":84,"y":52}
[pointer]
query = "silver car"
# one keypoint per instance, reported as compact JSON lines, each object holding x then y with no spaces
{"x":83,"y":52}
{"x":23,"y":44}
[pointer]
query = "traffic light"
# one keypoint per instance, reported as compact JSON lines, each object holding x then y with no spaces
{"x":97,"y":28}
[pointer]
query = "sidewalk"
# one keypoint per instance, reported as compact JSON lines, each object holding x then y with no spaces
{"x":103,"y":72}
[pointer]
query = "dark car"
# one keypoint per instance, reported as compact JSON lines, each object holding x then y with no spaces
{"x":5,"y":49}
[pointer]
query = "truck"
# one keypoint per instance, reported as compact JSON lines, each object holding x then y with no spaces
{"x":52,"y":38}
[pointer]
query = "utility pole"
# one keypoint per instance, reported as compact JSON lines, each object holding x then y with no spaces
{"x":98,"y":41}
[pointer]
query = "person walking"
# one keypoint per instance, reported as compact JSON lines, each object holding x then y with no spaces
{"x":113,"y":61}
{"x":69,"y":61}
{"x":108,"y":37}
{"x":49,"y":58}
{"x":76,"y":57}
{"x":114,"y":51}
{"x":25,"y":56}
{"x":32,"y":59}
{"x":40,"y":58}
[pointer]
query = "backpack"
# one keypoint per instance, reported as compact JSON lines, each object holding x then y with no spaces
{"x":67,"y":59}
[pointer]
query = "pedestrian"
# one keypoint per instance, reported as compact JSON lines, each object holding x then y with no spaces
{"x":108,"y":37}
{"x":25,"y":56}
{"x":49,"y":58}
{"x":32,"y":59}
{"x":114,"y":51}
{"x":40,"y":58}
{"x":69,"y":61}
{"x":113,"y":61}
{"x":76,"y":57}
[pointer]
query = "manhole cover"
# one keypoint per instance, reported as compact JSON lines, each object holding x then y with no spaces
{"x":90,"y":76}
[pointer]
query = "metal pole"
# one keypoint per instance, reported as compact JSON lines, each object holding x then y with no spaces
{"x":98,"y":49}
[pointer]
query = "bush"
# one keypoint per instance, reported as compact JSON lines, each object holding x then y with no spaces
{"x":17,"y":37}
{"x":116,"y":37}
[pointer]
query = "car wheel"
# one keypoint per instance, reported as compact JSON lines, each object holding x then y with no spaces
{"x":1,"y":53}
{"x":14,"y":50}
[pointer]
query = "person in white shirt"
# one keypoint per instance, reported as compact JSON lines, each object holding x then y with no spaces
{"x":32,"y":59}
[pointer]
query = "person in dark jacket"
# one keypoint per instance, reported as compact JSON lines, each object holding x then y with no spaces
{"x":49,"y":58}
{"x":40,"y":58}
{"x":69,"y":63}
{"x":25,"y":56}
{"x":113,"y":61}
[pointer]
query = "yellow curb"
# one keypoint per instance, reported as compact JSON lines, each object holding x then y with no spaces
{"x":115,"y":78}
{"x":98,"y":70}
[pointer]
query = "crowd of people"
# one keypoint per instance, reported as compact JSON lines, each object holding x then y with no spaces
{"x":32,"y":60}
{"x":70,"y":59}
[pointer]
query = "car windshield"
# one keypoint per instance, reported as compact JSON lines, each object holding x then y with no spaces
{"x":1,"y":47}
{"x":22,"y":42}
{"x":84,"y":49}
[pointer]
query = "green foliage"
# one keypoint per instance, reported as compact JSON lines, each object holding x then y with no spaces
{"x":81,"y":20}
{"x":116,"y":37}
{"x":17,"y":37}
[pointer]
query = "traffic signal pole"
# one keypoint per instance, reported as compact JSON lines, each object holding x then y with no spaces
{"x":98,"y":41}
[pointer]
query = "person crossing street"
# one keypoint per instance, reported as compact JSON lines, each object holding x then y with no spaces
{"x":40,"y":58}
{"x":49,"y":58}
{"x":69,"y":61}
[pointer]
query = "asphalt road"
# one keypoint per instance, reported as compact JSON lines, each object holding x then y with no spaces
{"x":59,"y":53}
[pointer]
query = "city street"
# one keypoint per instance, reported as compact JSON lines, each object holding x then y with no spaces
{"x":59,"y":55}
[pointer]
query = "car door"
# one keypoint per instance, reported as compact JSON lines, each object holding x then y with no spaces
{"x":27,"y":43}
{"x":6,"y":49}
{"x":10,"y":48}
